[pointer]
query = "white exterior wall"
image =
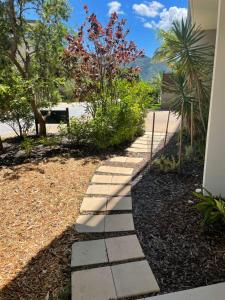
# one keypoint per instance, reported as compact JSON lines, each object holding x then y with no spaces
{"x":214,"y":171}
{"x":210,"y":37}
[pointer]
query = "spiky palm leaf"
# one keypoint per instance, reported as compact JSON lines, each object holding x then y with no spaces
{"x":183,"y":49}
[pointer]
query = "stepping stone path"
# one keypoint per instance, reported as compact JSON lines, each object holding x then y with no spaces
{"x":112,"y":267}
{"x":143,"y":144}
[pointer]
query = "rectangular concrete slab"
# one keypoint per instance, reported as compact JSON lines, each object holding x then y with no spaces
{"x":134,"y":160}
{"x":210,"y":292}
{"x":119,"y":203}
{"x":134,"y":279}
{"x":88,"y":253}
{"x":117,"y":189}
{"x":143,"y":142}
{"x":98,"y":189}
{"x":141,"y":146}
{"x":109,"y":189}
{"x":138,"y":150}
{"x":121,"y":159}
{"x":120,"y":222}
{"x":127,"y":159}
{"x":115,"y":170}
{"x":94,"y":204}
{"x":90,"y":223}
{"x":123,"y":248}
{"x":93,"y":284}
{"x":102,"y":179}
{"x":117,"y":179}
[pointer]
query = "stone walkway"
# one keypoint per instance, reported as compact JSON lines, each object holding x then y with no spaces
{"x":112,"y":267}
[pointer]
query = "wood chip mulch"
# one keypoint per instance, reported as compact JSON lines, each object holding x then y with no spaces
{"x":39,"y":205}
{"x":180,"y":253}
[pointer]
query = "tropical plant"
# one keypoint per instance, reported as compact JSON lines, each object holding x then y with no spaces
{"x":182,"y":105}
{"x":184,"y":50}
{"x":33,"y":49}
{"x":212,"y":208}
{"x":190,"y":59}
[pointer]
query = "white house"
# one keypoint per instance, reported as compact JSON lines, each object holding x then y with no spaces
{"x":210,"y":15}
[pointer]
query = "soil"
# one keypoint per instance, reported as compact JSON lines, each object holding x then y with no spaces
{"x":181,"y":254}
{"x":39,"y":204}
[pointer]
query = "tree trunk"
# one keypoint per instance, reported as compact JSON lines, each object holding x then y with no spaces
{"x":1,"y":146}
{"x":192,"y":124}
{"x":20,"y":127}
{"x":40,"y":118}
{"x":181,"y":136}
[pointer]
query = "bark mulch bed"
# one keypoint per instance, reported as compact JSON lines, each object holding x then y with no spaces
{"x":39,"y":205}
{"x":180,"y":253}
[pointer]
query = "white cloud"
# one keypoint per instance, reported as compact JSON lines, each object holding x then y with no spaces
{"x":149,"y":25}
{"x":148,"y":9}
{"x":166,"y":18}
{"x":115,"y":6}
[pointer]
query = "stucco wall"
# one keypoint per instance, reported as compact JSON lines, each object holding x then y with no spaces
{"x":210,"y":37}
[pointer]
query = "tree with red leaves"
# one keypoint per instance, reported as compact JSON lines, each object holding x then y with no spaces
{"x":96,"y":58}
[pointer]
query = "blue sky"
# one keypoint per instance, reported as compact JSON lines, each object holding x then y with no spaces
{"x":143,"y":17}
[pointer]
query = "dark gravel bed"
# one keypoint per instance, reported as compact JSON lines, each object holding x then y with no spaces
{"x":180,"y":253}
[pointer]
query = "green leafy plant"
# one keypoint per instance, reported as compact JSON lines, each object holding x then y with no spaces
{"x":119,"y":122}
{"x":79,"y":132}
{"x":49,"y":141}
{"x":33,"y":49}
{"x":212,"y":208}
{"x":184,"y":49}
{"x":166,"y":164}
{"x":28,"y":145}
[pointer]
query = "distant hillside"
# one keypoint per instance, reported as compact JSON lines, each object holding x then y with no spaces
{"x":148,"y":69}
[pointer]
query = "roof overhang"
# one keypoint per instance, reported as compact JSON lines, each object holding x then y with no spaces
{"x":204,"y":13}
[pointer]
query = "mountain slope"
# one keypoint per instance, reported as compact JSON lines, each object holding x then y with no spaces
{"x":148,"y":69}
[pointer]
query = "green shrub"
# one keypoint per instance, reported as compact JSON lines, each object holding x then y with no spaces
{"x":212,"y":208}
{"x":166,"y":164}
{"x":117,"y":121}
{"x":27,"y":145}
{"x":120,"y":123}
{"x":49,"y":141}
{"x":80,"y":131}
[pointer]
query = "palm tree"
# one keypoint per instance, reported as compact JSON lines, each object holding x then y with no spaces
{"x":183,"y":50}
{"x":182,"y":105}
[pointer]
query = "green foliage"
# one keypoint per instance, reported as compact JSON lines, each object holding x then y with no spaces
{"x":119,"y":122}
{"x":32,"y":50}
{"x":15,"y":110}
{"x":80,"y":131}
{"x":68,"y":91}
{"x":28,"y":145}
{"x":166,"y":164}
{"x":49,"y":141}
{"x":139,"y":91}
{"x":190,"y":58}
{"x":212,"y":208}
